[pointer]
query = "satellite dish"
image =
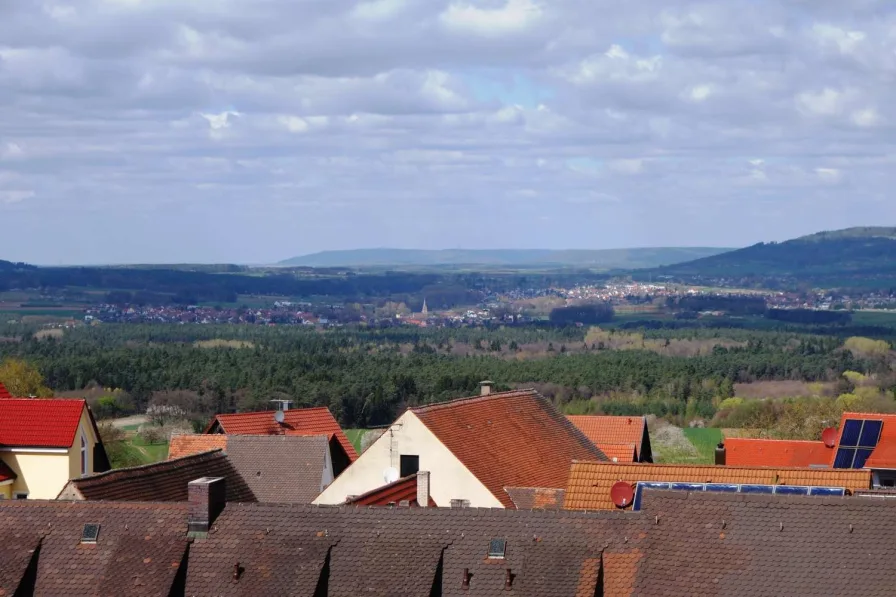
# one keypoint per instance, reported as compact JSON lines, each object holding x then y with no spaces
{"x":829,"y":437}
{"x":278,"y":416}
{"x":622,"y":494}
{"x":390,"y":475}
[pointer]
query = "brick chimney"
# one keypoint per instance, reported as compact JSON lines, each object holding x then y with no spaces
{"x":206,"y":497}
{"x":720,"y":454}
{"x":423,"y":489}
{"x":485,"y":387}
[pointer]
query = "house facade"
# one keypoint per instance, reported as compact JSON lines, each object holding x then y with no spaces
{"x":407,"y":447}
{"x":44,"y":443}
{"x":474,"y":449}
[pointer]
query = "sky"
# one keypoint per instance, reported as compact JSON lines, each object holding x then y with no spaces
{"x":251,"y":131}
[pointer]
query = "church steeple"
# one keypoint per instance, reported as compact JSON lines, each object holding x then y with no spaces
{"x":424,"y":310}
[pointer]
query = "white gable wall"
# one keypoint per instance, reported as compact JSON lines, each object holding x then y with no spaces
{"x":449,"y":478}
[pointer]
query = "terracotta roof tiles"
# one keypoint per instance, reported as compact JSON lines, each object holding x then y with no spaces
{"x":774,"y":452}
{"x":619,"y":452}
{"x":194,"y":443}
{"x":509,"y":439}
{"x":39,"y":422}
{"x":604,"y":429}
{"x":297,"y":421}
{"x":590,"y":482}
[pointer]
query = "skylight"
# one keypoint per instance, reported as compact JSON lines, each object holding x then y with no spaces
{"x":496,"y":548}
{"x":90,"y":532}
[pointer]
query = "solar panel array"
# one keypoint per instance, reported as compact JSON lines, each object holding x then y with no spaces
{"x":735,"y":488}
{"x":857,"y":441}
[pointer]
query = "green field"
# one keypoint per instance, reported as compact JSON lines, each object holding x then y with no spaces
{"x":705,"y":440}
{"x":354,"y":436}
{"x":878,"y":318}
{"x":150,"y":452}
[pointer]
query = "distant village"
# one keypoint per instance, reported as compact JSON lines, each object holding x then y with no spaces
{"x":518,"y":306}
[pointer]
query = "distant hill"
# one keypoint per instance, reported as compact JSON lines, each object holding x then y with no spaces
{"x":602,"y":259}
{"x":854,"y":257}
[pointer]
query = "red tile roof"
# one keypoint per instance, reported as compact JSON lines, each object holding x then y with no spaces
{"x":884,"y":456}
{"x":6,"y":473}
{"x":590,"y":483}
{"x":39,"y":422}
{"x":611,"y":430}
{"x":4,"y":393}
{"x":188,"y":444}
{"x":619,"y":452}
{"x":297,"y":421}
{"x":509,"y":439}
{"x":773,"y":452}
{"x":887,"y":437}
{"x":392,"y":493}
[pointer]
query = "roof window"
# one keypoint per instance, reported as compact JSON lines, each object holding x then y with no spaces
{"x":90,"y":532}
{"x":497,"y":548}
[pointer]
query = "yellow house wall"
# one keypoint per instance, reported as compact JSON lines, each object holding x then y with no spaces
{"x":42,"y":476}
{"x":6,"y":492}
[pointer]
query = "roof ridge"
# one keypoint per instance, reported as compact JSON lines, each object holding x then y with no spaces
{"x":771,"y":439}
{"x":719,"y":466}
{"x":469,"y":399}
{"x":149,"y":465}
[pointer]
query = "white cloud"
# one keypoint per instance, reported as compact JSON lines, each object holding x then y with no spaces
{"x":627,"y":166}
{"x":829,"y":175}
{"x":378,"y":10}
{"x":515,"y":15}
{"x":10,"y":197}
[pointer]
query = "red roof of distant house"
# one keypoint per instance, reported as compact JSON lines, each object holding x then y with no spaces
{"x":887,"y":438}
{"x":774,"y":452}
{"x":884,"y":456}
{"x":509,"y":439}
{"x":6,"y":473}
{"x":4,"y":393}
{"x":39,"y":422}
{"x":612,"y":430}
{"x":619,"y":452}
{"x":391,"y":493}
{"x":296,"y":421}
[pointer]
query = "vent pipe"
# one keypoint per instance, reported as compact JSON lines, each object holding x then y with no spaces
{"x":485,"y":387}
{"x":508,"y":580}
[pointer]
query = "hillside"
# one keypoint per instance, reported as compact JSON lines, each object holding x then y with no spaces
{"x":603,"y":259}
{"x":854,"y":257}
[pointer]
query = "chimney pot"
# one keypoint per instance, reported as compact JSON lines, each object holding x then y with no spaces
{"x":423,"y":489}
{"x":206,"y":497}
{"x":485,"y":387}
{"x":720,"y":454}
{"x":466,"y":582}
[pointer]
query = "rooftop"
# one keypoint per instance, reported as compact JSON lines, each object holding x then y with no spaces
{"x":4,"y":393}
{"x":194,"y":443}
{"x":296,"y":421}
{"x":164,"y":481}
{"x":619,"y":452}
{"x":590,"y":482}
{"x":509,"y":439}
{"x":696,"y":544}
{"x":536,"y":498}
{"x":404,"y":489}
{"x":774,"y":452}
{"x":39,"y":422}
{"x":602,"y":429}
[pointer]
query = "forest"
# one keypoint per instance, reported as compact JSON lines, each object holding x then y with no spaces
{"x":368,"y":376}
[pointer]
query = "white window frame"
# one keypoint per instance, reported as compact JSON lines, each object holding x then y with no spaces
{"x":84,"y":460}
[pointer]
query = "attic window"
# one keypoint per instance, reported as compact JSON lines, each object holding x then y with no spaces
{"x":90,"y":532}
{"x":496,"y":548}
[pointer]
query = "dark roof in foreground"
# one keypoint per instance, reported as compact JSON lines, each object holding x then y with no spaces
{"x":694,"y":544}
{"x":706,"y":545}
{"x":164,"y":481}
